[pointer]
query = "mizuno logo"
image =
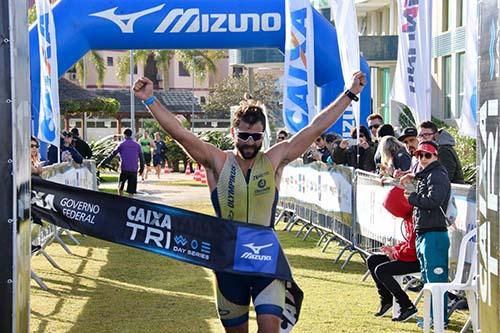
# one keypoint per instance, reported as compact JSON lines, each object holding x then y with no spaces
{"x":125,"y":21}
{"x":256,"y":249}
{"x":189,"y":20}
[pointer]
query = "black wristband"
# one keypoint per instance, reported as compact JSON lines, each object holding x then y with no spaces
{"x":351,"y":95}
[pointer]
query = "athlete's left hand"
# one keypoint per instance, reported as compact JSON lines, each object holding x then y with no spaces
{"x":358,"y":82}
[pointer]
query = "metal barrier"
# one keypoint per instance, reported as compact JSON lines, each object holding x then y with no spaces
{"x":346,"y":206}
{"x":79,"y":175}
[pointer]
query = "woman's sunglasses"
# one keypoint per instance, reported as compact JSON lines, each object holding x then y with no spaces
{"x":426,"y":155}
{"x":34,"y":146}
{"x":245,"y":136}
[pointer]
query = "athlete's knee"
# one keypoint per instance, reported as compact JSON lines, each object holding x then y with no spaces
{"x":268,"y":323}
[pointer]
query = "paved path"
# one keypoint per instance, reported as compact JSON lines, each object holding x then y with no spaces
{"x":167,"y":190}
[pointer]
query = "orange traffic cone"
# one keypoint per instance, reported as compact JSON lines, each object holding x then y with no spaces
{"x":203,"y":176}
{"x":197,"y":174}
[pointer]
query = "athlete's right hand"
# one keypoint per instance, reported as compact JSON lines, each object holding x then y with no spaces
{"x":359,"y":80}
{"x":143,"y":88}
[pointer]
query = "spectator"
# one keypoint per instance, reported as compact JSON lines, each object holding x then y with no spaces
{"x":430,"y":200}
{"x":36,"y":165}
{"x":447,"y":154}
{"x":80,"y":145}
{"x":383,"y":130}
{"x":282,"y":136}
{"x":374,"y":121}
{"x":393,"y":156}
{"x":146,"y":145}
{"x":395,"y":260}
{"x":348,"y":155}
{"x":409,"y":139}
{"x":159,"y":154}
{"x":317,"y":152}
{"x":130,"y":154}
{"x":67,"y":152}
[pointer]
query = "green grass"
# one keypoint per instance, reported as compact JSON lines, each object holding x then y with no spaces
{"x":180,"y":183}
{"x":106,"y":287}
{"x":109,"y":178}
{"x":109,"y":190}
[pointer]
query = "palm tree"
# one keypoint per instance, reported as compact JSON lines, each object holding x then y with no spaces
{"x":201,"y":61}
{"x":96,"y":59}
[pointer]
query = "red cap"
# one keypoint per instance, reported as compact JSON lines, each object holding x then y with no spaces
{"x":427,"y":147}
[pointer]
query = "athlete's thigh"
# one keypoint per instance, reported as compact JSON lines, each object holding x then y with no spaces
{"x":232,"y":292}
{"x":268,"y":296}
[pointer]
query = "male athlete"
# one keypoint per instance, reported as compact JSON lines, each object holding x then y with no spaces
{"x":244,"y":186}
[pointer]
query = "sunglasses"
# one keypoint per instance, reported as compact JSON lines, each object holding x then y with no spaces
{"x":281,"y":138}
{"x":245,"y":136}
{"x":374,"y":126}
{"x":34,"y":146}
{"x":424,"y":135}
{"x":426,"y":155}
{"x":318,"y":140}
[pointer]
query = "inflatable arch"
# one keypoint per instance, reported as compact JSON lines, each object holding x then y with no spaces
{"x":188,"y":24}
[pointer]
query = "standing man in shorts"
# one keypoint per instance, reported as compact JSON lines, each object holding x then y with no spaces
{"x":146,"y":145}
{"x":131,"y":155}
{"x":244,"y":186}
{"x":159,"y":154}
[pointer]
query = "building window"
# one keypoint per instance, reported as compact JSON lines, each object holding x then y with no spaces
{"x":125,"y":123}
{"x":110,"y":61}
{"x":182,"y":70}
{"x":460,"y":83}
{"x":237,"y":71}
{"x":100,"y":124}
{"x":135,"y":69}
{"x":78,"y":124}
{"x":460,"y":13}
{"x":203,"y":100}
{"x":446,"y":84}
{"x":448,"y":13}
{"x":113,"y":124}
{"x":90,"y":124}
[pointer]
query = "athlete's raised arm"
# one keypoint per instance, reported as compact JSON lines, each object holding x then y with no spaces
{"x":291,"y":149}
{"x":203,"y":152}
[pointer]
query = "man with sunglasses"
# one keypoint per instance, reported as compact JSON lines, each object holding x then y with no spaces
{"x":282,"y":136}
{"x":374,"y":121}
{"x":428,"y":131}
{"x":430,"y":200}
{"x":244,"y":186}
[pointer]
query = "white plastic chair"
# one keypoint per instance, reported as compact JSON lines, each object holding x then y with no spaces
{"x":437,"y":290}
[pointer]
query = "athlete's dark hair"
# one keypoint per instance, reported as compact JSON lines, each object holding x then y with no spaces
{"x":250,"y":112}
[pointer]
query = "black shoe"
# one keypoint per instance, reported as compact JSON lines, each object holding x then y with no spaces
{"x":384,"y":307}
{"x":406,"y":313}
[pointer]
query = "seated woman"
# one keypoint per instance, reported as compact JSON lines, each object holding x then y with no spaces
{"x":395,"y":260}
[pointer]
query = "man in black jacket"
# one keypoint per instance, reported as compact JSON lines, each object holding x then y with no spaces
{"x":430,"y":200}
{"x":80,"y":145}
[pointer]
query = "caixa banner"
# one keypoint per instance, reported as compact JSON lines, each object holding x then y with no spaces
{"x":488,"y":191}
{"x":198,"y":239}
{"x":188,"y":24}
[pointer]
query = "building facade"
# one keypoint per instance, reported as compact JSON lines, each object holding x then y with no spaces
{"x":180,"y":84}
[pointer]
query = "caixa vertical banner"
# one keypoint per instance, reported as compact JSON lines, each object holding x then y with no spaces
{"x":489,"y":165}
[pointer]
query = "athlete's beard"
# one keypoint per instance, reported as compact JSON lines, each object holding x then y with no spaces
{"x":246,"y":154}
